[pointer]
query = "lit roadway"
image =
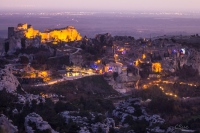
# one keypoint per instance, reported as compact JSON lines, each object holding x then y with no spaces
{"x":64,"y":79}
{"x":158,"y":82}
{"x":77,"y":50}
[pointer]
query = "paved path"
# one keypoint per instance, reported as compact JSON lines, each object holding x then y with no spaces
{"x":63,"y":79}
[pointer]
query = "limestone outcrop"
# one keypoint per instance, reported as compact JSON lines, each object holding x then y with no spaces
{"x":6,"y":126}
{"x":65,"y":34}
{"x":7,"y":80}
{"x":194,"y":59}
{"x":40,"y":125}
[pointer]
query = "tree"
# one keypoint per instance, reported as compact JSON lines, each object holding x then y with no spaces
{"x":24,"y":60}
{"x":162,"y":105}
{"x":6,"y":46}
{"x":115,"y":75}
{"x":41,"y":57}
{"x":7,"y":100}
{"x":60,"y":107}
{"x":3,"y":63}
{"x":100,"y":130}
{"x":187,"y":72}
{"x":23,"y":43}
{"x":102,"y":38}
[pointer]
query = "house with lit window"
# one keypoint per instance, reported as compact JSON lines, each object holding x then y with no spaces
{"x":113,"y":67}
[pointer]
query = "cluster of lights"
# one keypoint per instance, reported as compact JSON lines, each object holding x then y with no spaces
{"x":157,"y":82}
{"x":44,"y":95}
{"x":189,"y":84}
{"x":145,"y":86}
{"x":170,"y":82}
{"x":110,"y":69}
{"x":98,"y":62}
{"x":167,"y":93}
{"x":143,"y":56}
{"x":94,"y":66}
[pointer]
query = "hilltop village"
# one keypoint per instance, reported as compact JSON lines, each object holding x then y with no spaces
{"x":103,"y":84}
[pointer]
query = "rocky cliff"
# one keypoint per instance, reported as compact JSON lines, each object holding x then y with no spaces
{"x":66,"y":34}
{"x":7,"y":80}
{"x":6,"y":126}
{"x":35,"y":123}
{"x":194,"y":59}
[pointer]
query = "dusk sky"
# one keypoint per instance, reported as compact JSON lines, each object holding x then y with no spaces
{"x":102,"y":5}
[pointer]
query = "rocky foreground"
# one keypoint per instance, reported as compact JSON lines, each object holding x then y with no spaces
{"x":119,"y":120}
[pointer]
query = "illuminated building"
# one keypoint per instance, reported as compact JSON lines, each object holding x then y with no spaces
{"x":110,"y":69}
{"x":44,"y":36}
{"x":143,"y":56}
{"x":182,"y":51}
{"x":66,"y":34}
{"x":43,"y":74}
{"x":156,"y":67}
{"x":98,"y":62}
{"x":22,"y":26}
{"x":136,"y":62}
{"x":113,"y":67}
{"x":31,"y":33}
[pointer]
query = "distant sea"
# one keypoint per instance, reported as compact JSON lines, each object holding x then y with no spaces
{"x":89,"y":24}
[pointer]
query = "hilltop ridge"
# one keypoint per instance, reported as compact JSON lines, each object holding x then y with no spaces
{"x":65,"y":34}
